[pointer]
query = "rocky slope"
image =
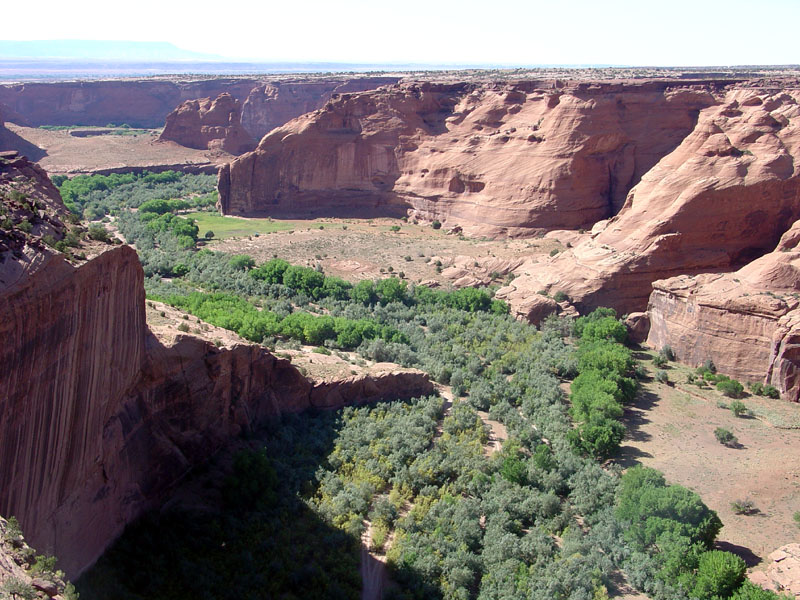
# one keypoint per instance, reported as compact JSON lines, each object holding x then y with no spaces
{"x":98,"y":416}
{"x":747,"y":322}
{"x":208,"y":124}
{"x":723,"y":197}
{"x":493,"y":159}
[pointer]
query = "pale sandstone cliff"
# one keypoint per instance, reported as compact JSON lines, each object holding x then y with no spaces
{"x":98,"y":417}
{"x":209,"y":124}
{"x":719,"y":200}
{"x":747,"y":322}
{"x":494,"y":159}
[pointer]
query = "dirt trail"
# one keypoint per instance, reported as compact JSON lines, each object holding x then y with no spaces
{"x":373,"y":568}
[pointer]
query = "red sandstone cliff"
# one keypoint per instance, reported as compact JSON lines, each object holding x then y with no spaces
{"x":747,"y":322}
{"x":98,"y":417}
{"x":723,"y":197}
{"x":494,"y":159}
{"x":271,"y":105}
{"x":209,"y":124}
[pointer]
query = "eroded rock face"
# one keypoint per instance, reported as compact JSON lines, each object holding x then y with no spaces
{"x":493,"y":159}
{"x":747,"y":322}
{"x":98,"y":417}
{"x":723,"y":197}
{"x":271,"y":105}
{"x":209,"y":124}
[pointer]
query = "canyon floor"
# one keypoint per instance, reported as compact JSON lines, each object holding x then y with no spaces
{"x":65,"y":153}
{"x":357,"y":249}
{"x":671,"y":428}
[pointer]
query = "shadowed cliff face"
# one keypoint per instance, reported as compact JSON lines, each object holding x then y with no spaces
{"x":504,"y":159}
{"x":98,"y":417}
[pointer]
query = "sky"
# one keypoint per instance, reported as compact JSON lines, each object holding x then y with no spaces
{"x":486,"y":32}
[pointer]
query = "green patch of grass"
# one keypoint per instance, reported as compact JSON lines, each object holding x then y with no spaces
{"x":225,"y":227}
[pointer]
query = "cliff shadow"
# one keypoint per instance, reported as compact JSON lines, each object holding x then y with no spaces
{"x":242,"y":526}
{"x":12,"y":141}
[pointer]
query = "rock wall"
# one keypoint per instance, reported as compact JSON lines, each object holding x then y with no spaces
{"x":271,"y":105}
{"x":495,"y":159}
{"x":147,"y":102}
{"x":747,"y":322}
{"x":140,"y":103}
{"x":209,"y":124}
{"x":722,"y":198}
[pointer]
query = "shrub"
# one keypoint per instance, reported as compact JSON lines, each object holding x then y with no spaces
{"x":560,"y":297}
{"x":242,"y":262}
{"x":209,"y":235}
{"x":737,"y":407}
{"x":18,"y":590}
{"x":725,"y":437}
{"x":718,"y":574}
{"x":395,"y":228}
{"x":743,"y":507}
{"x":757,"y":388}
{"x":25,"y":226}
{"x":436,"y":224}
{"x":662,"y":377}
{"x":184,"y":327}
{"x":771,"y":391}
{"x":98,"y":233}
{"x":796,"y":518}
{"x":730,"y":388}
{"x":554,"y":251}
{"x":659,"y":360}
{"x":667,"y":352}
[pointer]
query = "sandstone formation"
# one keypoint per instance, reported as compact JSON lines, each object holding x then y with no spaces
{"x":493,"y":159}
{"x":209,"y":124}
{"x":722,"y":198}
{"x":147,"y":102}
{"x":99,"y":418}
{"x":747,"y":322}
{"x":783,"y":572}
{"x":271,"y":105}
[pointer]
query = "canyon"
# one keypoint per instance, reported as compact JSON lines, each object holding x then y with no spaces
{"x":677,"y":200}
{"x":99,"y":417}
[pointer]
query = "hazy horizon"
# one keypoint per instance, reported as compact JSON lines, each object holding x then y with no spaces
{"x":506,"y":33}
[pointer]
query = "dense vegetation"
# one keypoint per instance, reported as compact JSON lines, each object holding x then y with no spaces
{"x":541,"y":518}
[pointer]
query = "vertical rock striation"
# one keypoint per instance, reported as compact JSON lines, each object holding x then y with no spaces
{"x":504,"y":159}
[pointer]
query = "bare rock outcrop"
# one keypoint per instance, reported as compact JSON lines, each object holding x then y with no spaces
{"x":782,"y":574}
{"x":505,"y":159}
{"x":722,"y":198}
{"x":209,"y":124}
{"x":747,"y":322}
{"x":99,"y":418}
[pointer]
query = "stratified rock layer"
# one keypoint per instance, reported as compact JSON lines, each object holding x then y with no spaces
{"x":209,"y":124}
{"x":719,"y":200}
{"x":747,"y":322}
{"x":493,"y":159}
